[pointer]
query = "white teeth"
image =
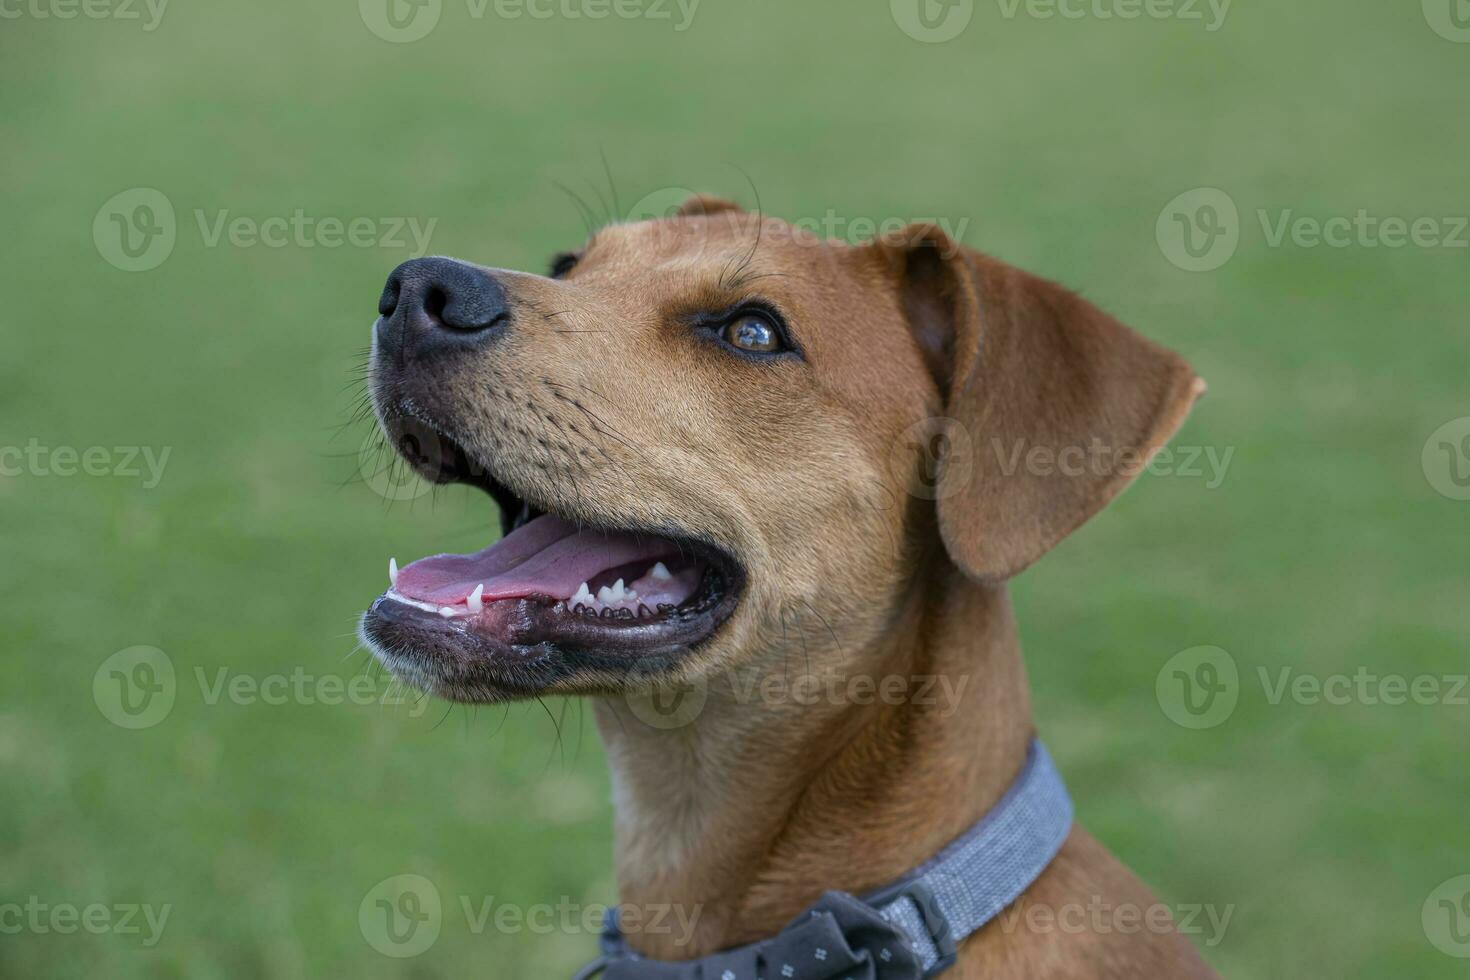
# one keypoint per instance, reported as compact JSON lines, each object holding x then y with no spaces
{"x":476,"y":601}
{"x":615,"y":594}
{"x":392,"y":571}
{"x":446,"y":611}
{"x":660,"y":571}
{"x":425,"y":606}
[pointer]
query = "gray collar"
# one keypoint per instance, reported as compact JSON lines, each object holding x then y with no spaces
{"x":910,"y":929}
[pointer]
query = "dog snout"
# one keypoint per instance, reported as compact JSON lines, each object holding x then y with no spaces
{"x":437,"y":301}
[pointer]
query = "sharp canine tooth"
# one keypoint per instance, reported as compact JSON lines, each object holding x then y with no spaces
{"x":661,"y":571}
{"x":476,"y":601}
{"x":619,"y":593}
{"x":392,"y":571}
{"x":584,"y":595}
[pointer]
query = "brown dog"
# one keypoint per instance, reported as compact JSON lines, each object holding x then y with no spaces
{"x":710,"y":437}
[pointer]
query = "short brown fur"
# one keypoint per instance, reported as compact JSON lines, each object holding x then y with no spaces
{"x":602,"y":405}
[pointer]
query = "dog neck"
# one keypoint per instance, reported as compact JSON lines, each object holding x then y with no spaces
{"x":731,"y":825}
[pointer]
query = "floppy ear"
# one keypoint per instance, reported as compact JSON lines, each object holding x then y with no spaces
{"x":1062,"y":405}
{"x":705,"y":204}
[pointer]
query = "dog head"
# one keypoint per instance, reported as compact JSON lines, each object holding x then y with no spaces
{"x":703,"y":428}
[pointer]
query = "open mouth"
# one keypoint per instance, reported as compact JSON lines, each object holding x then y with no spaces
{"x":553,"y":603}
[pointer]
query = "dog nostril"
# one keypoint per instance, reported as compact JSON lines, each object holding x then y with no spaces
{"x":388,"y":302}
{"x":434,"y":303}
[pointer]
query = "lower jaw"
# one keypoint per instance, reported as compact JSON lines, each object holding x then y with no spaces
{"x":520,"y":648}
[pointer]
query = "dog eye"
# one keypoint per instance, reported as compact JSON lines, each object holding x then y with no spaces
{"x":753,"y":332}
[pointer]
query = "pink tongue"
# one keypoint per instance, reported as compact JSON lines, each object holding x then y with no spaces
{"x":547,"y":556}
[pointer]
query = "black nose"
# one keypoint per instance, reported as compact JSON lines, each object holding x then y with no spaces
{"x":438,"y":297}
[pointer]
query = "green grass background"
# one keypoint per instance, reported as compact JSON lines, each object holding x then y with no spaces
{"x":1058,"y":141}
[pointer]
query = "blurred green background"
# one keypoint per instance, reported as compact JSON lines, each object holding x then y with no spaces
{"x":1335,"y":543}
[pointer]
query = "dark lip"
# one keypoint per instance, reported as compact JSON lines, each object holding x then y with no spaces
{"x":521,"y":648}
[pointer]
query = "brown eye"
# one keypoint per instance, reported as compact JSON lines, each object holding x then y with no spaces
{"x":753,"y":333}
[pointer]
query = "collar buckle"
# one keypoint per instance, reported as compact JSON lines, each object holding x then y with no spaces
{"x":936,"y":923}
